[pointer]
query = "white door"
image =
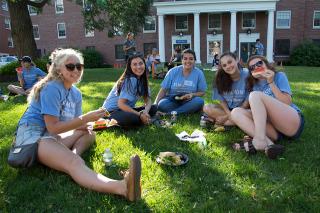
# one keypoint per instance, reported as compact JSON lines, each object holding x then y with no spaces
{"x":214,"y":46}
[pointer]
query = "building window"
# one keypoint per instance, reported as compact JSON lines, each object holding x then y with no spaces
{"x":119,"y":53}
{"x":149,"y":24}
{"x":59,"y":6}
{"x":283,"y":19}
{"x":316,"y":41}
{"x":282,"y":47}
{"x":182,"y":22}
{"x":249,"y":20}
{"x":214,"y":21}
{"x":147,"y":48}
{"x":32,"y":10}
{"x":61,"y":28}
{"x":4,"y":5}
{"x":7,"y":24}
{"x":316,"y":20}
{"x":88,"y":33}
{"x":36,"y":34}
{"x":10,"y":42}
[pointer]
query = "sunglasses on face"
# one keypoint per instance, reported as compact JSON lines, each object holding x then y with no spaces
{"x":71,"y":67}
{"x":253,"y":66}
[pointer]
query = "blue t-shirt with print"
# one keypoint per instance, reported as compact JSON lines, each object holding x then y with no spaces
{"x":238,"y":93}
{"x":30,"y":77}
{"x":177,"y":84}
{"x":54,"y":100}
{"x":281,"y":81}
{"x":128,"y":92}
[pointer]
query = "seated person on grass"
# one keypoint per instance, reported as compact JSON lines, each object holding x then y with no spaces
{"x":28,"y":77}
{"x":153,"y":60}
{"x":183,"y":87}
{"x":122,"y":99}
{"x":272,"y":114}
{"x":55,"y":121}
{"x":229,"y":89}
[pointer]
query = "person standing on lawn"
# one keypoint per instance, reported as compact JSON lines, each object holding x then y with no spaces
{"x":129,"y":46}
{"x":183,"y":87}
{"x":272,"y":115}
{"x":28,"y":77}
{"x":122,"y":99}
{"x":54,"y":119}
{"x":229,"y":89}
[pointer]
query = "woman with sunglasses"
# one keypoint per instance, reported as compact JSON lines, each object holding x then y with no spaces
{"x":132,"y":85}
{"x":183,"y":87}
{"x":55,"y":121}
{"x":272,"y":115}
{"x":229,"y":89}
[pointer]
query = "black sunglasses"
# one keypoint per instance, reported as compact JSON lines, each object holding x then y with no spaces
{"x":71,"y":67}
{"x":253,"y":66}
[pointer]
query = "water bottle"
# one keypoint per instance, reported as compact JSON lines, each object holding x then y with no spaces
{"x":173,"y":116}
{"x":203,"y":122}
{"x":107,"y":157}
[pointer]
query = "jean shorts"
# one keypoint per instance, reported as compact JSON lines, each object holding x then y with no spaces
{"x":298,"y":133}
{"x":30,"y":133}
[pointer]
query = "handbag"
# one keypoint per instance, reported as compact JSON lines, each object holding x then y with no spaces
{"x":23,"y":156}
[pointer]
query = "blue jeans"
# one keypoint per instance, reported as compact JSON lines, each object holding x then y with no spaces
{"x":169,"y":104}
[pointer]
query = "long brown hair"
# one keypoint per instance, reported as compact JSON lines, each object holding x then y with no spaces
{"x":223,"y":81}
{"x":251,"y":81}
{"x":142,"y":85}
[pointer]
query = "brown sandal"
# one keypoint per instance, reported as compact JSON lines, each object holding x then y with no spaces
{"x":133,"y":179}
{"x":246,"y":139}
{"x":272,"y":151}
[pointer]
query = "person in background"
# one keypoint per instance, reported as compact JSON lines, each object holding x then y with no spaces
{"x":122,"y":99}
{"x":259,"y":48}
{"x":153,"y":59}
{"x":55,"y":121}
{"x":229,"y":89}
{"x":175,"y":58}
{"x":28,"y":77}
{"x":183,"y":87}
{"x":272,"y":114}
{"x":129,"y":46}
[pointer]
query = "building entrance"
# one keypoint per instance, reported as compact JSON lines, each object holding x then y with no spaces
{"x":247,"y":49}
{"x":214,"y":47}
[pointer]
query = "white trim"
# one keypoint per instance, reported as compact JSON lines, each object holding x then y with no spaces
{"x":11,"y":40}
{"x":155,"y":25}
{"x":314,"y":16}
{"x":55,"y":6}
{"x":31,"y":13}
{"x":88,"y":33}
{"x":255,"y":20}
{"x":9,"y":24}
{"x":175,"y":38}
{"x":65,"y":29}
{"x":36,"y":25}
{"x":175,"y":23}
{"x":283,"y":27}
{"x":215,"y":28}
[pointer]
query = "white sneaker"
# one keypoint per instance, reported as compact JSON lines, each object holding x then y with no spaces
{"x":4,"y":97}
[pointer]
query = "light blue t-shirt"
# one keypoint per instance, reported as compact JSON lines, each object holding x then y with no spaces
{"x":238,"y":93}
{"x":178,"y":84}
{"x":54,"y":100}
{"x":128,"y":92}
{"x":281,"y":81}
{"x":30,"y":77}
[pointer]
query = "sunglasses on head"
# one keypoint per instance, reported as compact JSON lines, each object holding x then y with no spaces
{"x":71,"y":67}
{"x":253,"y":66}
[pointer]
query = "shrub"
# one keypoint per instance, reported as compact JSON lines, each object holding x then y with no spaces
{"x":41,"y":63}
{"x":306,"y":54}
{"x":9,"y":69}
{"x":92,"y":58}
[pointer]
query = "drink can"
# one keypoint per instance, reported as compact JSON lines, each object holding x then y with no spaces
{"x":174,"y":116}
{"x":203,"y":122}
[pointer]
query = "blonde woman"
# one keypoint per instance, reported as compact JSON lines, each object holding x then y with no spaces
{"x":54,"y":119}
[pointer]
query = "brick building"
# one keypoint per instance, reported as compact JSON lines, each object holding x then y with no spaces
{"x":6,"y":43}
{"x":207,"y":26}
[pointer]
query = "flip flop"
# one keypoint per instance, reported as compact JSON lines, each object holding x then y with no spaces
{"x":251,"y":150}
{"x":274,"y":150}
{"x":133,"y":179}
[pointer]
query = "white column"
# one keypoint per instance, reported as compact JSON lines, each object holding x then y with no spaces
{"x":196,"y":33}
{"x":270,"y":35}
{"x":162,"y":49}
{"x":233,"y":31}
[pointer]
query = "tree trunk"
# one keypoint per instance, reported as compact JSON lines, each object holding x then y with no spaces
{"x":21,"y":29}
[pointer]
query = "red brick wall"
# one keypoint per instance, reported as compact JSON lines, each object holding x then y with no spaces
{"x":4,"y":34}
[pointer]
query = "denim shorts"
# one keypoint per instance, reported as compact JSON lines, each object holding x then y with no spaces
{"x":30,"y":133}
{"x":298,"y":133}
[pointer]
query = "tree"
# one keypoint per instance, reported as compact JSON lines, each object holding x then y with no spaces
{"x":114,"y":15}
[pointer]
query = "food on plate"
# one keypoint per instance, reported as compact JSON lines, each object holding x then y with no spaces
{"x":171,"y":158}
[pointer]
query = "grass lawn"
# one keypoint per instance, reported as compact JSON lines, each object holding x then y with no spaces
{"x":215,"y":179}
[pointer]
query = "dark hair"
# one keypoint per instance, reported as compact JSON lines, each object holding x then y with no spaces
{"x":223,"y":82}
{"x":257,"y":39}
{"x":251,"y":81}
{"x":142,"y":85}
{"x":190,"y":51}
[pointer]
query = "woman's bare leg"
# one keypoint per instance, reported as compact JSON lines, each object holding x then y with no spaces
{"x":16,"y":89}
{"x":213,"y":111}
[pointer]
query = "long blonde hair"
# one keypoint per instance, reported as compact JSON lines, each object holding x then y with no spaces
{"x":58,"y":58}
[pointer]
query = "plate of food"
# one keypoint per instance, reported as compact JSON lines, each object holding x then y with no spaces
{"x":103,"y":124}
{"x":172,"y":158}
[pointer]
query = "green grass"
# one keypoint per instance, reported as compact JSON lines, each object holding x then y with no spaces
{"x":216,"y":179}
